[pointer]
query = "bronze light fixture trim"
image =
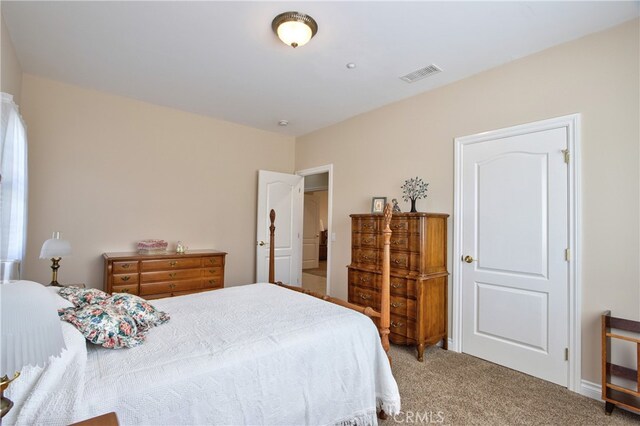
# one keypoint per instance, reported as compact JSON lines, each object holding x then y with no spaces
{"x":294,"y":28}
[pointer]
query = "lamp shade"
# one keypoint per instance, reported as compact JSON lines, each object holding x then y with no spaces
{"x":294,"y":28}
{"x":55,"y":247}
{"x":31,"y":330}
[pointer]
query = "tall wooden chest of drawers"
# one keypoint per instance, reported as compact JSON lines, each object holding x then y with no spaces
{"x":163,"y":275}
{"x":418,"y":274}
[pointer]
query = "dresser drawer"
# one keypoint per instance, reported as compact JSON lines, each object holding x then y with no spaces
{"x":369,"y":224}
{"x":402,"y":326}
{"x":365,"y":240}
{"x":399,"y":225}
{"x":364,"y":297}
{"x":399,"y":242}
{"x":363,"y":279}
{"x":164,"y":264}
{"x":213,"y":282}
{"x":403,"y":287}
{"x":178,"y":274}
{"x":212,"y":272}
{"x":212,"y":261}
{"x":400,"y":260}
{"x":170,"y":286}
{"x":124,"y":279}
{"x":368,"y":256}
{"x":123,"y":267}
{"x":131,"y":289}
{"x":404,"y":307}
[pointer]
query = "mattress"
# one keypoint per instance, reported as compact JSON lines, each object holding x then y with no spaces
{"x":256,"y":354}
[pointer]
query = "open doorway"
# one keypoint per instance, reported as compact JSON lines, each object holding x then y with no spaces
{"x":316,"y":229}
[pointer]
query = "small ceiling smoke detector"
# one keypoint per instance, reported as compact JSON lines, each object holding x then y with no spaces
{"x":351,"y":65}
{"x":421,"y":73}
{"x":283,"y":123}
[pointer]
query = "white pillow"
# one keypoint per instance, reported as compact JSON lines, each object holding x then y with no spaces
{"x":60,"y":301}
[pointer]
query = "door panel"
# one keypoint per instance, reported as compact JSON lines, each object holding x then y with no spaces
{"x":515,"y":226}
{"x":283,"y":193}
{"x":310,"y":237}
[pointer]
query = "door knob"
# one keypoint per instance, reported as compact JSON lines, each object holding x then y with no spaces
{"x":468,"y":259}
{"x":262,"y":243}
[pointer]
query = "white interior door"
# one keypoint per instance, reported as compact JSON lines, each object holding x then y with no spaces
{"x":515,"y":231}
{"x":310,"y":233}
{"x":283,"y":193}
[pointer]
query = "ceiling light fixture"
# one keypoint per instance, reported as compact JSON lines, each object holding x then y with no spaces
{"x":283,"y":123}
{"x":294,"y":29}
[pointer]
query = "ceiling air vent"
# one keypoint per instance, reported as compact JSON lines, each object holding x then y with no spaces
{"x":421,"y":73}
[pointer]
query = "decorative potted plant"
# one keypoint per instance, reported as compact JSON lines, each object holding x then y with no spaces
{"x":414,"y":189}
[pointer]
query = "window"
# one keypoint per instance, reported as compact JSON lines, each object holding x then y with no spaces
{"x":13,"y":181}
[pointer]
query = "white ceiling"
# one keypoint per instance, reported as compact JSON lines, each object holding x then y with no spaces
{"x":221,"y":59}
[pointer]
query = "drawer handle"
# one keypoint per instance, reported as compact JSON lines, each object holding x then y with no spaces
{"x":397,"y":305}
{"x":364,"y":279}
{"x":397,"y":242}
{"x":125,"y":278}
{"x":212,"y":271}
{"x":172,"y":274}
{"x":173,"y":263}
{"x":367,"y":240}
{"x":125,"y":265}
{"x":397,"y":226}
{"x":364,"y":296}
{"x":212,"y":260}
{"x":367,"y":225}
{"x":396,"y":324}
{"x":172,"y":286}
{"x":212,"y":282}
{"x":396,"y":285}
{"x":399,"y":261}
{"x":365,"y":257}
{"x":125,"y":290}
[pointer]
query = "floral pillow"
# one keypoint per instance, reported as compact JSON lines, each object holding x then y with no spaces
{"x":143,"y":313}
{"x":104,"y":325}
{"x":83,"y":296}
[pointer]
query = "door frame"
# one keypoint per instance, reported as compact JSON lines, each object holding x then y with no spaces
{"x":328,"y":168}
{"x":572,"y":124}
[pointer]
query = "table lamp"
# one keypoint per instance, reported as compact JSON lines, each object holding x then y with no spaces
{"x":54,"y":249}
{"x":31,"y":331}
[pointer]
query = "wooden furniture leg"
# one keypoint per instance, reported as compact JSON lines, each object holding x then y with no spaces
{"x":420,"y":347}
{"x":608,"y":408}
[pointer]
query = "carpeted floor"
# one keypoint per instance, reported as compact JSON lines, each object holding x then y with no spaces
{"x":458,"y":389}
{"x":320,"y":271}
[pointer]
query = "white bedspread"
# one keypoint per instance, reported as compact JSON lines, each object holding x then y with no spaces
{"x":256,"y":354}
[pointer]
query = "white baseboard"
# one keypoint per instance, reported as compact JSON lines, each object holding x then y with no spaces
{"x":590,"y":389}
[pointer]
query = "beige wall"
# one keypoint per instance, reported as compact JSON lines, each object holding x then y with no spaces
{"x":10,"y":71}
{"x":107,"y":171}
{"x":596,"y":76}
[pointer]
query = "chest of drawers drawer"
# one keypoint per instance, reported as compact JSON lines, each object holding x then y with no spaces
{"x":131,"y":289}
{"x":161,"y":265}
{"x":364,"y":296}
{"x":170,"y":286}
{"x":125,"y":279}
{"x":177,"y":274}
{"x":125,"y":267}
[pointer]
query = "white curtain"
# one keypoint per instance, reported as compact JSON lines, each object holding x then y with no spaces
{"x":13,"y":183}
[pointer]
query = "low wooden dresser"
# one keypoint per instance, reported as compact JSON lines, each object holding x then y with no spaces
{"x":418,"y":274}
{"x":153,"y":276}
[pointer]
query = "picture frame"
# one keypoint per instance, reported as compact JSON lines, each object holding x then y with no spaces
{"x":377,"y":204}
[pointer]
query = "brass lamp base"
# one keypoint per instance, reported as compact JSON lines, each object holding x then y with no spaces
{"x":55,"y":265}
{"x":6,"y":403}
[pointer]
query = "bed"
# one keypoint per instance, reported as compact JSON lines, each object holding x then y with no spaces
{"x":255,"y":354}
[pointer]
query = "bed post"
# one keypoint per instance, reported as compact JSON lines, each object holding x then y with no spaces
{"x":272,"y":230}
{"x":385,"y":297}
